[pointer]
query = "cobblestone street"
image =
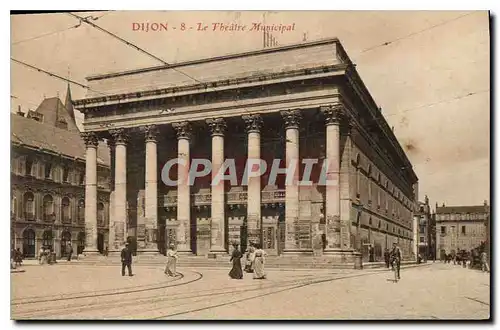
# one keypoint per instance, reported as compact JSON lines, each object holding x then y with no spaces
{"x":433,"y":291}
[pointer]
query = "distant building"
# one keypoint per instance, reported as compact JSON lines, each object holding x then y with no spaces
{"x":460,"y":227}
{"x":426,"y":225}
{"x":47,"y":181}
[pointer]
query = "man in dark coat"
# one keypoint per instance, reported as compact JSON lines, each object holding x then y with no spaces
{"x":387,"y":258}
{"x":126,"y":257}
{"x":396,"y":258}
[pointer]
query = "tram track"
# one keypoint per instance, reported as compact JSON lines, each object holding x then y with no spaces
{"x":200,"y":276}
{"x":154,"y":299}
{"x":178,"y":300}
{"x":264,"y":294}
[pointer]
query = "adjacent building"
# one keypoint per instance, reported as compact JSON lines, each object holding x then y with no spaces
{"x":48,"y":181}
{"x":426,"y":230}
{"x":461,"y":228}
{"x":291,"y":103}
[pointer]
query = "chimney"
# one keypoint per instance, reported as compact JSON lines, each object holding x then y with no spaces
{"x":20,"y":112}
{"x":443,"y":204}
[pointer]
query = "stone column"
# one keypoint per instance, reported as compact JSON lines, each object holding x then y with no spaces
{"x":292,"y":119}
{"x":254,"y":218}
{"x":345,"y":190}
{"x":91,"y":142}
{"x":151,"y":190}
{"x":183,"y":130}
{"x":120,"y":199}
{"x":332,"y":203}
{"x":217,"y":225}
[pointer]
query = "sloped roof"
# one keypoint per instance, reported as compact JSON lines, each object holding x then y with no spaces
{"x":462,"y":209}
{"x":42,"y":135}
{"x":53,"y":110}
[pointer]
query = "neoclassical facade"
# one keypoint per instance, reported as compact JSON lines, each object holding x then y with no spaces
{"x":289,"y":103}
{"x":48,"y":180}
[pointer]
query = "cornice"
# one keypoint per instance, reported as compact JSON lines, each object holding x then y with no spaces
{"x":209,"y":86}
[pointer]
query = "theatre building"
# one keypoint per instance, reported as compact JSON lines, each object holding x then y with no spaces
{"x":290,"y":103}
{"x":48,"y":182}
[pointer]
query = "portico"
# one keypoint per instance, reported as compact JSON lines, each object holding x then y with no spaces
{"x":272,"y":108}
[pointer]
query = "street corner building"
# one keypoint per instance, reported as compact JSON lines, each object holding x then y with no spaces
{"x":48,"y":180}
{"x":292,"y":102}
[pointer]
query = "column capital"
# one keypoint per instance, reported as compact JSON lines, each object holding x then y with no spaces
{"x":120,"y":136}
{"x":150,"y":133}
{"x":253,"y":123}
{"x":333,"y":113}
{"x":292,"y":118}
{"x":217,"y":126}
{"x":90,"y":139}
{"x":183,"y":130}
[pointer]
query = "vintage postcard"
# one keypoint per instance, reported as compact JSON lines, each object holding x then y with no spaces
{"x":250,"y":165}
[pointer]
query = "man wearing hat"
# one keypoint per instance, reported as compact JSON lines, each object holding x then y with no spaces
{"x":126,"y":257}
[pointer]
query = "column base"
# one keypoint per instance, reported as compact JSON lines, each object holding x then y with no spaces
{"x":345,"y":256}
{"x":298,"y":252}
{"x":151,"y":252}
{"x":217,"y":252}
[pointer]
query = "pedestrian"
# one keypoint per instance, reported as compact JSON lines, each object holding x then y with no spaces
{"x":396,"y":258}
{"x":171,"y":268}
{"x":484,"y":262}
{"x":70,"y":251}
{"x":371,"y":253}
{"x":126,"y":256}
{"x":236,"y":272}
{"x":41,"y":255}
{"x":249,"y":267}
{"x":18,"y":257}
{"x":258,"y":264}
{"x":387,"y":258}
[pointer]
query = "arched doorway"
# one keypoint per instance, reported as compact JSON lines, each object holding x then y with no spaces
{"x":81,"y":242}
{"x":29,"y":243}
{"x":65,"y":242}
{"x":100,"y":242}
{"x":47,"y":239}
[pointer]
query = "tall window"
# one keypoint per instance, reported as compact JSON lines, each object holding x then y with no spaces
{"x":29,"y":206}
{"x":81,"y":211}
{"x":66,"y":210}
{"x":100,"y":213}
{"x":29,"y":166}
{"x":463,"y":230}
{"x":48,"y":239}
{"x":13,"y":206}
{"x":65,"y":174}
{"x":48,"y":208}
{"x":48,"y":170}
{"x":443,"y":230}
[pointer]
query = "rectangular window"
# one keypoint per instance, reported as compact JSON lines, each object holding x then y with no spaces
{"x":463,"y":230}
{"x":422,"y":239}
{"x":443,"y":230}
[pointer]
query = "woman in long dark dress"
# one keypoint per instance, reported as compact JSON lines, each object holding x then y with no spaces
{"x":236,"y":272}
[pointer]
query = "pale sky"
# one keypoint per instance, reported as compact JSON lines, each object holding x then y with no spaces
{"x":422,"y":80}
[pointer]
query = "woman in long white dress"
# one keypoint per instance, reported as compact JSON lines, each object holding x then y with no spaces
{"x":258,"y":263}
{"x":170,"y":270}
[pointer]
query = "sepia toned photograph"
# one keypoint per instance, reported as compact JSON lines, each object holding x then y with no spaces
{"x":250,"y":165}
